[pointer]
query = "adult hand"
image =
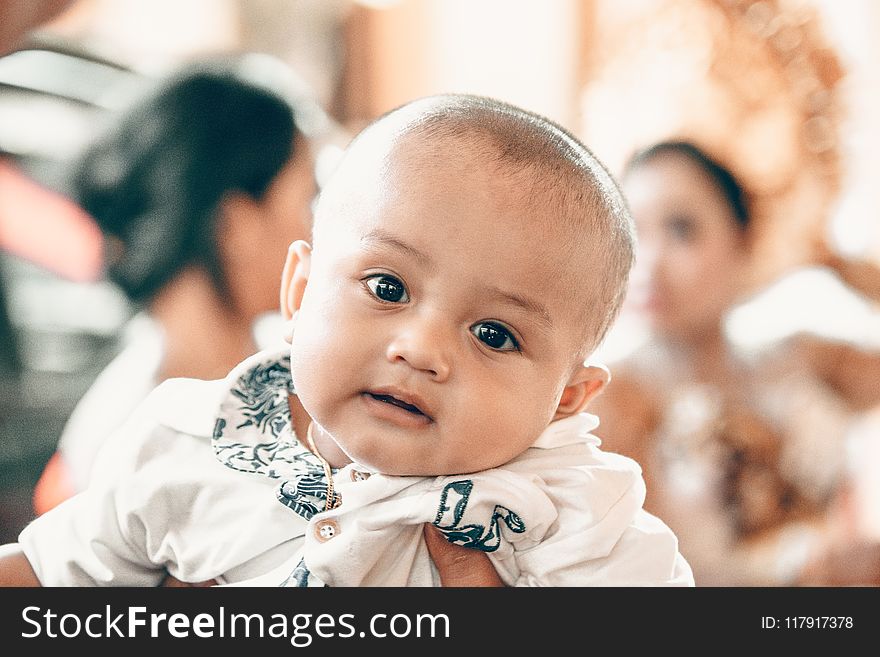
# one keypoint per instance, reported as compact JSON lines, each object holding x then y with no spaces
{"x":15,"y":569}
{"x":174,"y":583}
{"x":459,"y":566}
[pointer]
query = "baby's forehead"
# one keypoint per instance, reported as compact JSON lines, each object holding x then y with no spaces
{"x":405,"y":164}
{"x":474,"y":164}
{"x":436,"y":168}
{"x":475,"y":148}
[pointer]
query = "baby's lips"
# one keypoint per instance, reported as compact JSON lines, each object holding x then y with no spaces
{"x":402,"y":399}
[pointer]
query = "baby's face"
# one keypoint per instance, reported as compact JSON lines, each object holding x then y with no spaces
{"x":439,"y":327}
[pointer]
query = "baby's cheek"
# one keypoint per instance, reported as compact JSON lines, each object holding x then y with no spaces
{"x":307,"y":370}
{"x":519,"y":429}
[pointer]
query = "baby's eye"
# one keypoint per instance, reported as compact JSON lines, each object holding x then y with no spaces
{"x":495,"y":336}
{"x":387,"y":288}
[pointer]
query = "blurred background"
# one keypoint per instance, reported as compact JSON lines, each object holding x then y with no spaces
{"x":784,"y":92}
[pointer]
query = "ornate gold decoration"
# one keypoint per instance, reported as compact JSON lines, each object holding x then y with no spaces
{"x":752,"y":82}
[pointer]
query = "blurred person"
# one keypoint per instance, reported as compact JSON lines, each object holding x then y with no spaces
{"x":743,"y":454}
{"x":435,"y":376}
{"x":197,"y":190}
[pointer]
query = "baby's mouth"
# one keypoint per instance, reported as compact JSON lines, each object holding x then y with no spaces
{"x":394,"y":401}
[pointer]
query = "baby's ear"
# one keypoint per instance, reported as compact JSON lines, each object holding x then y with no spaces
{"x":586,"y":382}
{"x":294,"y":277}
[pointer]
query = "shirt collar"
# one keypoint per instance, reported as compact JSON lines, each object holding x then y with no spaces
{"x":253,"y":430}
{"x":568,"y":431}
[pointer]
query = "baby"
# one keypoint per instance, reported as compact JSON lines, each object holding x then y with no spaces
{"x":468,"y":256}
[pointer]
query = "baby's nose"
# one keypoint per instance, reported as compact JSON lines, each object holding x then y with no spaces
{"x":421,"y":346}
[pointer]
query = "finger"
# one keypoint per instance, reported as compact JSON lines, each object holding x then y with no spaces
{"x":459,"y":566}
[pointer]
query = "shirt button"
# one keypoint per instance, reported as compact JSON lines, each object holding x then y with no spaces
{"x":326,"y":529}
{"x":357,"y":475}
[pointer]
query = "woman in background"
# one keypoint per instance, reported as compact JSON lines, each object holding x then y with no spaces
{"x":198,"y":190}
{"x":743,"y":454}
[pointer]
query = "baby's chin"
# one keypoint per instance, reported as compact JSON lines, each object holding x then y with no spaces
{"x":396,"y":467}
{"x":422,"y":459}
{"x":418,"y":468}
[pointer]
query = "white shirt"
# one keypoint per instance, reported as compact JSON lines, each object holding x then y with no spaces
{"x":114,"y":395}
{"x":123,"y":385}
{"x":211,"y":483}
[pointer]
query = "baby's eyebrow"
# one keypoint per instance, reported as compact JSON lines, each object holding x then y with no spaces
{"x":380,"y":237}
{"x":529,"y":305}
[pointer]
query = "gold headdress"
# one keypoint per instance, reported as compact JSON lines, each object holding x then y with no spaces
{"x":752,"y":82}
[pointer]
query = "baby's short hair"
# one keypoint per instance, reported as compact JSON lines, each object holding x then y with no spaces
{"x":552,"y":165}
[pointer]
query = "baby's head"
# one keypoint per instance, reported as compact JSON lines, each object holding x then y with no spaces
{"x":468,"y":256}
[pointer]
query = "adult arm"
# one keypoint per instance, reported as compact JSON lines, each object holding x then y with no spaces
{"x":862,"y":276}
{"x":15,"y":569}
{"x":850,"y":371}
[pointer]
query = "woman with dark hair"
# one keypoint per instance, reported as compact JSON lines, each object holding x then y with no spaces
{"x":198,"y":189}
{"x":743,"y":453}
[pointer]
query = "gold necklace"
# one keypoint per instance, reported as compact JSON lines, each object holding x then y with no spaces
{"x":333,"y":500}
